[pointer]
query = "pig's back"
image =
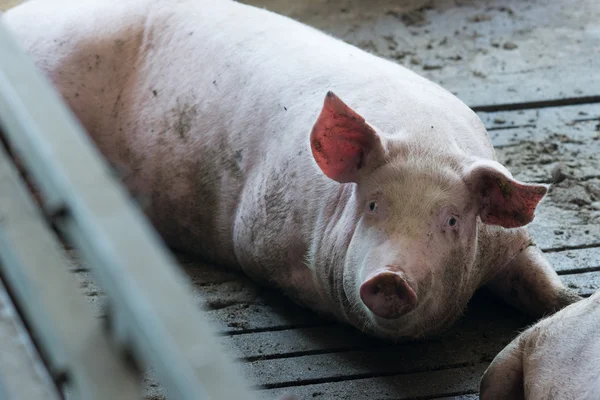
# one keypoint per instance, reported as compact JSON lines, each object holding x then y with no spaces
{"x":203,"y":68}
{"x":273,"y":71}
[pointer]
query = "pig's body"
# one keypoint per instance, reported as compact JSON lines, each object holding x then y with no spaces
{"x":209,"y":106}
{"x":557,"y":358}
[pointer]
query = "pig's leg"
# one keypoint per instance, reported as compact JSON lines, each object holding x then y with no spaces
{"x":503,"y":379}
{"x":530,"y":283}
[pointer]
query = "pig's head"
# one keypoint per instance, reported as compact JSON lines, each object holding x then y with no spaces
{"x":410,"y":266}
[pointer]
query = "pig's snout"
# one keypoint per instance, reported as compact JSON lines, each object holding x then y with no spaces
{"x":388,"y":295}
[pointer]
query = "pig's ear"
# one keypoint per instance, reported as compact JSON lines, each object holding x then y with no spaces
{"x":342,"y":142}
{"x":502,"y":200}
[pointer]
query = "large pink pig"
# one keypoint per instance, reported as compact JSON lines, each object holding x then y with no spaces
{"x":357,"y":187}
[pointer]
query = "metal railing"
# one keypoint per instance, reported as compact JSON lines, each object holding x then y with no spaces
{"x":152,"y":314}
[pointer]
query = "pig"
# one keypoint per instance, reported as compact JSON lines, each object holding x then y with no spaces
{"x":352,"y":184}
{"x":557,"y":358}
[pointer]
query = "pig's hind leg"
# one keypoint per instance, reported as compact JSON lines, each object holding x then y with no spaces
{"x":530,"y":283}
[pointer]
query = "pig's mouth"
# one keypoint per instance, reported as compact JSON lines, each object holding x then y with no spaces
{"x":425,"y":320}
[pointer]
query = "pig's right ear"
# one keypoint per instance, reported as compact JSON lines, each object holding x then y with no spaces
{"x":342,"y":142}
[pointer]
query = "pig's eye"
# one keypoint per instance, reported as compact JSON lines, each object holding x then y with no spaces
{"x":373,"y":206}
{"x":452,"y":221}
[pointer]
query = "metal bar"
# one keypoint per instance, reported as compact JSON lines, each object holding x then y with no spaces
{"x":149,"y":297}
{"x":35,"y":267}
{"x":22,"y":373}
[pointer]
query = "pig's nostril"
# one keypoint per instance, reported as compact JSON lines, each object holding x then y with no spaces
{"x":388,"y":295}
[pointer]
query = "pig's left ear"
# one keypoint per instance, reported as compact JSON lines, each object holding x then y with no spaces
{"x":342,"y":142}
{"x":502,"y":200}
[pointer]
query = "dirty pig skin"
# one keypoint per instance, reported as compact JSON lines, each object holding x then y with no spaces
{"x":357,"y":187}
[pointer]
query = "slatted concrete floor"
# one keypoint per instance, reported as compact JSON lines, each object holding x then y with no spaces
{"x":531,"y":70}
